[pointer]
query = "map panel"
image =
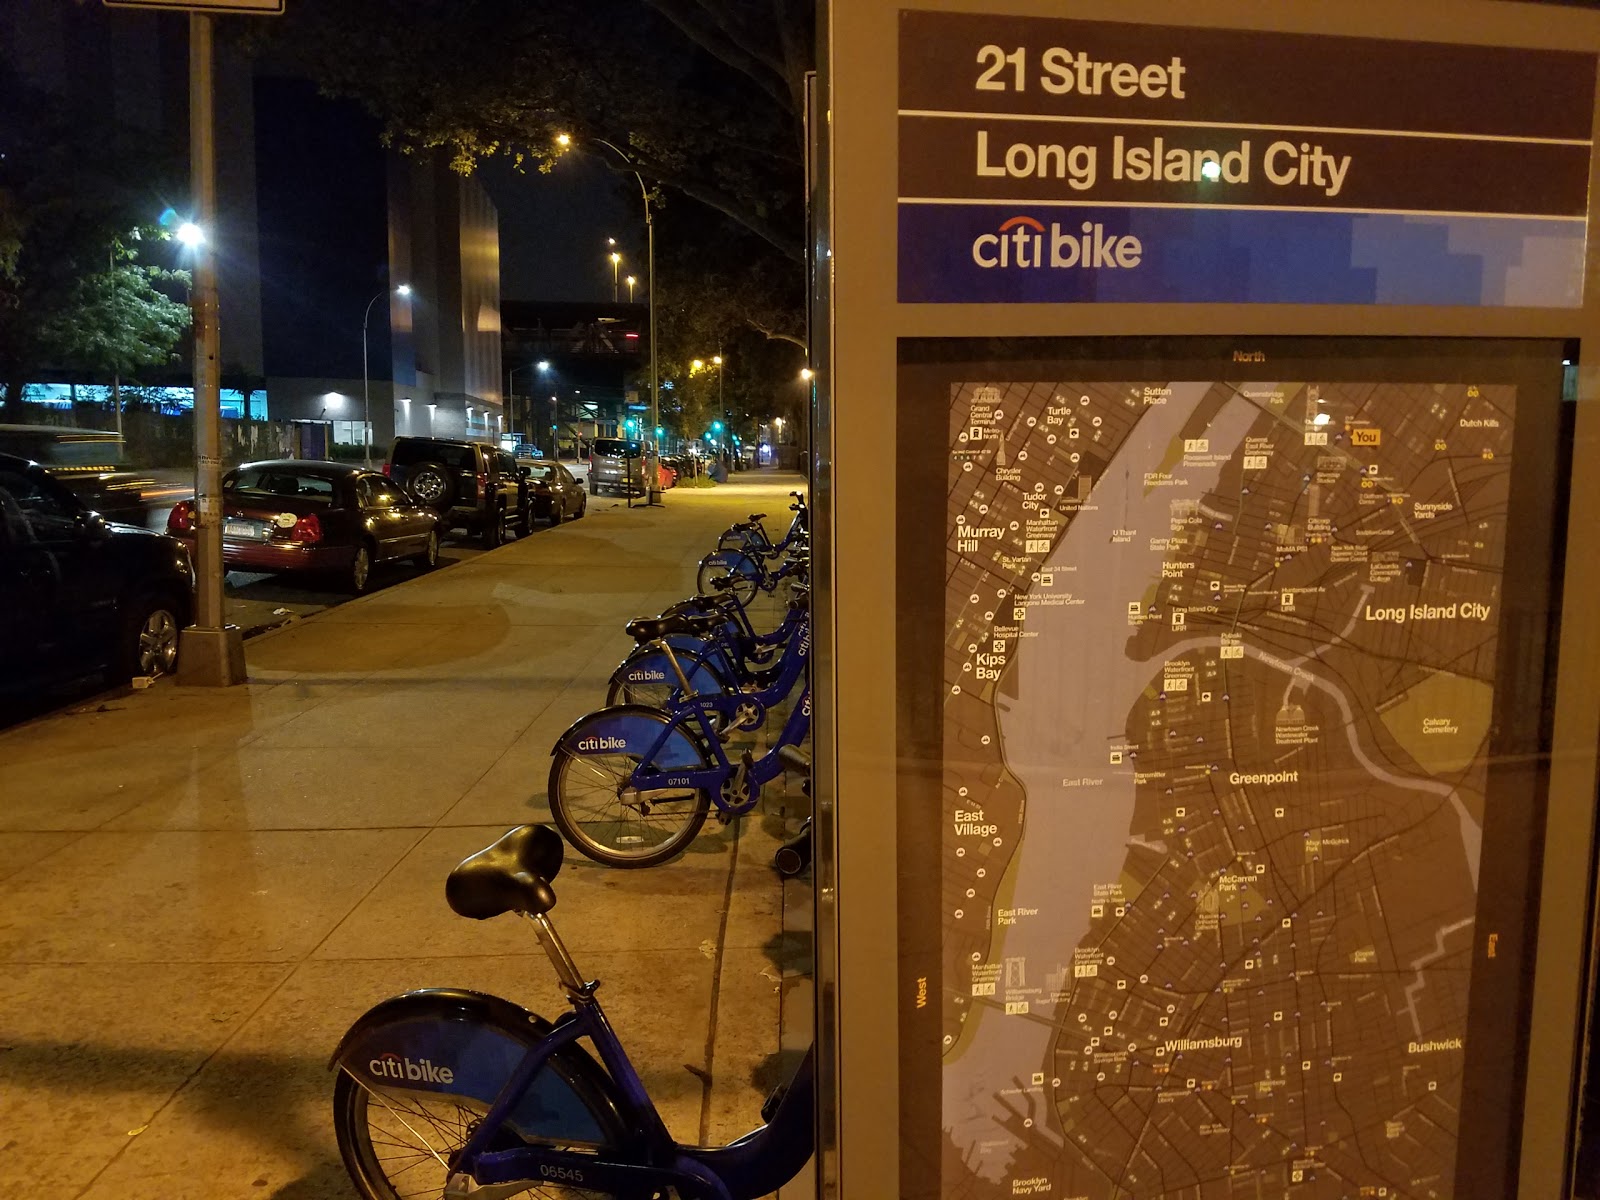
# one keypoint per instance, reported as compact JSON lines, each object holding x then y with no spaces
{"x":1219,"y":670}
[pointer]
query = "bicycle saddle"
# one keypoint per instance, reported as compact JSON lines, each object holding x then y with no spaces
{"x":756,"y":517}
{"x":513,"y":875}
{"x":648,"y":629}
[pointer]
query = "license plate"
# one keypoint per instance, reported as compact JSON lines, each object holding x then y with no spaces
{"x":249,"y":530}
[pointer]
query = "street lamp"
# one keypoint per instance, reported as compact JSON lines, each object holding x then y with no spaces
{"x":190,"y":234}
{"x":652,"y":470}
{"x":366,"y":382}
{"x":631,"y":281}
{"x":616,"y":286}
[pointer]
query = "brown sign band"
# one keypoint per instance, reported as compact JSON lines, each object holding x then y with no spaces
{"x":1021,"y":159}
{"x":973,"y":62}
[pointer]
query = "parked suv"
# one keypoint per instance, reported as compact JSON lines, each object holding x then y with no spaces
{"x":471,"y":485}
{"x":79,"y":594}
{"x":618,"y":464}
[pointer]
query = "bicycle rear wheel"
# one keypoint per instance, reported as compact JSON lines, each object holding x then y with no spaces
{"x":401,"y":1147}
{"x":592,"y":804}
{"x":745,"y":570}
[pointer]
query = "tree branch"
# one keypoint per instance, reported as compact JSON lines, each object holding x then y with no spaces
{"x":774,"y":335}
{"x":770,"y":78}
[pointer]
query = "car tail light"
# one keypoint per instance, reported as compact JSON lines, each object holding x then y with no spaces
{"x":181,"y":518}
{"x":307,"y":529}
{"x":386,"y":470}
{"x":483,"y":484}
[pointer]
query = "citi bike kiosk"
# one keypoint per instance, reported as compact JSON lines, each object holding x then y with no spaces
{"x":1212,"y":388}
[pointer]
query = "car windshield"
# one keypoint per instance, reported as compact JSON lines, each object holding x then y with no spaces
{"x":617,"y":448}
{"x":280,"y":481}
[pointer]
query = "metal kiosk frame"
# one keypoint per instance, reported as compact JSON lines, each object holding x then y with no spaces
{"x":859,"y":321}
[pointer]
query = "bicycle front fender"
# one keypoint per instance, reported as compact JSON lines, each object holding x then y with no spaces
{"x":467,"y":1046}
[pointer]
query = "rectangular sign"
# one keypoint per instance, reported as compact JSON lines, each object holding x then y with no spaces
{"x":1229,"y":886}
{"x":1047,"y":160}
{"x":267,"y":8}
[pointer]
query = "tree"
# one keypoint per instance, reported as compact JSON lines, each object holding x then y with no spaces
{"x":115,"y":321}
{"x":705,"y":97}
{"x":70,"y":188}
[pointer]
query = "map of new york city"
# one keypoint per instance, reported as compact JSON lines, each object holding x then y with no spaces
{"x":1219,"y":671}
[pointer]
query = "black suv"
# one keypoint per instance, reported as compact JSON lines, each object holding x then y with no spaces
{"x":471,"y":485}
{"x":79,"y":594}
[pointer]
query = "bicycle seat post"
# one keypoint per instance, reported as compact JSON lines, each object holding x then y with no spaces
{"x":560,"y":960}
{"x":683,"y":680}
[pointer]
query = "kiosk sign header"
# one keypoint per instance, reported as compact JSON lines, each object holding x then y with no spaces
{"x":1046,"y":160}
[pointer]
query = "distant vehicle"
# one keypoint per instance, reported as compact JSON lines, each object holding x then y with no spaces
{"x":555,"y":494}
{"x":80,"y":594}
{"x":91,"y":462}
{"x":328,"y":518}
{"x":616,"y":464}
{"x":471,"y":485}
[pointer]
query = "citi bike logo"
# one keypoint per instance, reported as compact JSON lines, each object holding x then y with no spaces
{"x":597,"y":742}
{"x":1024,"y":242}
{"x":646,"y":675}
{"x":392,"y":1066}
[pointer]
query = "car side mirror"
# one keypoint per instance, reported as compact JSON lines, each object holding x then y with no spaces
{"x":92,"y":528}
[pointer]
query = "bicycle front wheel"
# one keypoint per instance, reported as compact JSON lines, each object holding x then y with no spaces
{"x":401,"y":1146}
{"x":600,"y":813}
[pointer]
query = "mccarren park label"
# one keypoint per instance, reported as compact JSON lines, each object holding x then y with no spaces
{"x":1046,"y":160}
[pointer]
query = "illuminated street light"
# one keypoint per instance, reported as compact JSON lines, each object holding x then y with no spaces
{"x":190,"y":234}
{"x":807,"y":374}
{"x":616,"y":284}
{"x":631,"y":280}
{"x":544,"y":364}
{"x":563,"y":140}
{"x":366,"y":384}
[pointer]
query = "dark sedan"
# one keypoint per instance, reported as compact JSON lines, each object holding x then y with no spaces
{"x":79,"y":594}
{"x":321,"y":517}
{"x":553,"y":494}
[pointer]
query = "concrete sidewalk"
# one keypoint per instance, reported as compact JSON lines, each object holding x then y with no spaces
{"x":200,"y":890}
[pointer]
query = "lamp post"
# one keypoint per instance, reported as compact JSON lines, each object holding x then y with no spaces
{"x":366,"y":383}
{"x":631,"y":280}
{"x":652,"y":465}
{"x":616,"y":283}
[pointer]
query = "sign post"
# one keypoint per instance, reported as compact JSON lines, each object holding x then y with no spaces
{"x":1230,"y":742}
{"x":211,"y":652}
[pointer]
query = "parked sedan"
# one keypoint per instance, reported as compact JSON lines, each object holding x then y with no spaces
{"x":79,"y":594}
{"x":321,"y":517}
{"x":555,"y":494}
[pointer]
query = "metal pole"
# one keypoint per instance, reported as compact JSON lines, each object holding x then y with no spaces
{"x":653,"y":484}
{"x":366,"y":385}
{"x":210,"y":652}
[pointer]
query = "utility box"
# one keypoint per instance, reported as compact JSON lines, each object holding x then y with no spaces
{"x":1211,"y":814}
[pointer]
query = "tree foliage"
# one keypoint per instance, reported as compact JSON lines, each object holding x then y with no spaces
{"x":70,"y":295}
{"x":703,"y":98}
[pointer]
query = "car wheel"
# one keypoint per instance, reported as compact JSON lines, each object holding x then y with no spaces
{"x":429,"y":558}
{"x":359,"y":575}
{"x":149,"y":639}
{"x":432,"y":484}
{"x":494,"y":529}
{"x":583,"y":505}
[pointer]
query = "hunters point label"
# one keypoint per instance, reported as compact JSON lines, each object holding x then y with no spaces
{"x":1050,"y":159}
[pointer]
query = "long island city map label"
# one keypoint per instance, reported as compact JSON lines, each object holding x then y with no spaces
{"x":1191,"y":866}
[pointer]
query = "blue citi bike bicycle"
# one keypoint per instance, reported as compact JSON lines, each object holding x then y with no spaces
{"x":731,"y":657}
{"x":751,"y":535}
{"x":466,"y":1096}
{"x":631,"y":785}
